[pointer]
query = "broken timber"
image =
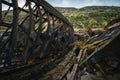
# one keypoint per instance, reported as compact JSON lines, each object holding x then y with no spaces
{"x":31,"y":42}
{"x":101,"y":55}
{"x":35,"y":47}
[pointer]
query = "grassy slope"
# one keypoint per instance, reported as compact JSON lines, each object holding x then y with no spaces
{"x":101,"y":12}
{"x":94,"y":16}
{"x":91,"y":16}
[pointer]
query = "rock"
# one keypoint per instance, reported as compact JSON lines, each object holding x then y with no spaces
{"x":88,"y":76}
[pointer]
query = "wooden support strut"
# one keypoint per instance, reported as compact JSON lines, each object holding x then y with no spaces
{"x":75,"y":67}
{"x":22,"y":50}
{"x":14,"y":31}
{"x":0,"y":11}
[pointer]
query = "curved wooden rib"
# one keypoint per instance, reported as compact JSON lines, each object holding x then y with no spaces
{"x":39,"y":32}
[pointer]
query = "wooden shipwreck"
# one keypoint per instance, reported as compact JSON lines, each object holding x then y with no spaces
{"x":97,"y":58}
{"x":43,"y":49}
{"x":102,"y":54}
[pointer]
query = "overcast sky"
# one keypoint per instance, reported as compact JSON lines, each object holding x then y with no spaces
{"x":83,"y":3}
{"x":76,"y":3}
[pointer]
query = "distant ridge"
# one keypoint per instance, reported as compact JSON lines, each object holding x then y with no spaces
{"x":65,"y":8}
{"x":101,"y":15}
{"x":99,"y":7}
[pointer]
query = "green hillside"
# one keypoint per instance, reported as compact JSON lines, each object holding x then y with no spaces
{"x":9,"y":16}
{"x":91,"y":16}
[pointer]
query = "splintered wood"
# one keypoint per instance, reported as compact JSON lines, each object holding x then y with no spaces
{"x":62,"y":68}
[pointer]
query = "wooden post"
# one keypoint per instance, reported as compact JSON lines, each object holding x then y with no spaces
{"x":40,"y":24}
{"x":13,"y":33}
{"x":0,"y":11}
{"x":75,"y":67}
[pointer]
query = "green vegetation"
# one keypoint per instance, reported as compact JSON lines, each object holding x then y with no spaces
{"x":9,"y":16}
{"x":94,"y":16}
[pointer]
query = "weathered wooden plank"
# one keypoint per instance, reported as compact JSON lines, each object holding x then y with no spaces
{"x":75,"y":67}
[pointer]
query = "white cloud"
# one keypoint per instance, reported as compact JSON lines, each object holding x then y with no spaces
{"x":21,"y":3}
{"x":78,"y":3}
{"x":90,"y":3}
{"x":83,"y":3}
{"x":65,"y":2}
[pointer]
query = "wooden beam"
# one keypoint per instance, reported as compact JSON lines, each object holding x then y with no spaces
{"x":75,"y":67}
{"x":0,"y":11}
{"x":13,"y":33}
